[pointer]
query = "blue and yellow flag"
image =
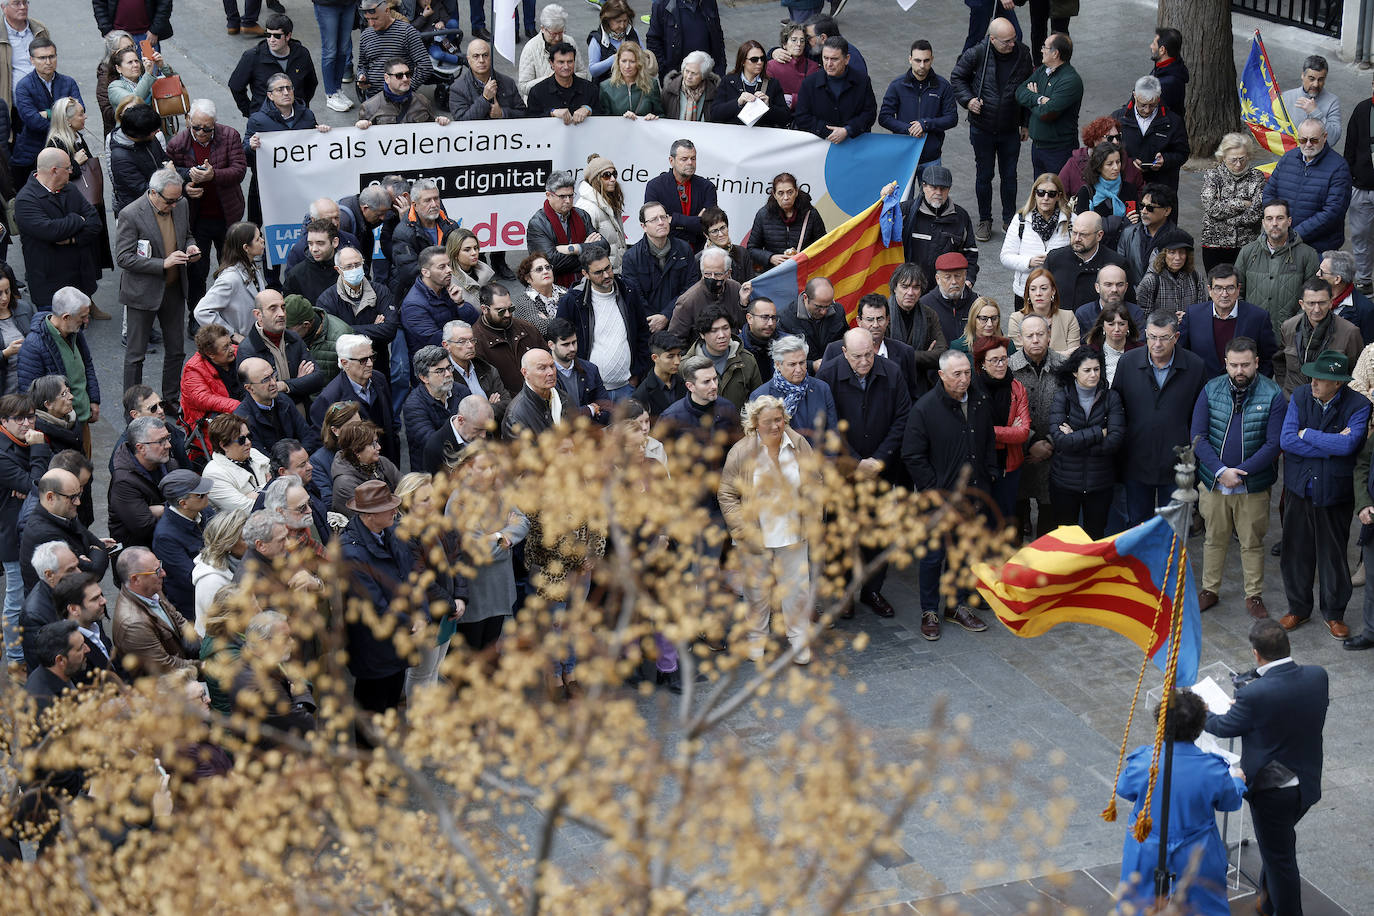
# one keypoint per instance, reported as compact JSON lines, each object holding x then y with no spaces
{"x":1261,"y":106}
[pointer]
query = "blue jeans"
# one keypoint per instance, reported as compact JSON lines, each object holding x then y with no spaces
{"x":1048,"y":160}
{"x":1001,"y":151}
{"x":620,"y":394}
{"x":477,"y":13}
{"x":14,"y":602}
{"x":980,"y":17}
{"x":1004,"y":491}
{"x":932,"y":565}
{"x":1143,"y":498}
{"x":336,"y":43}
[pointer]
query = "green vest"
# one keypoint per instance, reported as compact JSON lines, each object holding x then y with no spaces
{"x":1254,"y":424}
{"x":75,"y":367}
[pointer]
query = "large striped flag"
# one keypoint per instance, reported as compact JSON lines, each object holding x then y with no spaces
{"x":1118,"y":582}
{"x":857,"y":257}
{"x":1261,"y":105}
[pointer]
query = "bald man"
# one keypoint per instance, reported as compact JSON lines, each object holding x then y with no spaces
{"x":270,"y":413}
{"x":1075,"y":267}
{"x":541,"y":403}
{"x":269,"y":339}
{"x":55,"y":519}
{"x":1111,"y":287}
{"x":59,"y":231}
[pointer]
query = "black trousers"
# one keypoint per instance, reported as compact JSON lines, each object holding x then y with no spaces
{"x":1095,"y":506}
{"x":1314,"y":542}
{"x":1275,"y":814}
{"x":481,"y":634}
{"x":1211,"y":257}
{"x":378,"y":694}
{"x":1039,"y":18}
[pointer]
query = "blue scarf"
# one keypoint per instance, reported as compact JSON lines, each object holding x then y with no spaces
{"x":791,"y":394}
{"x":402,"y":100}
{"x":1108,"y":190}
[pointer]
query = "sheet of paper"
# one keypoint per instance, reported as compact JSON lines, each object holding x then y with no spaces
{"x":1216,"y":699}
{"x":751,"y":113}
{"x":1209,"y":744}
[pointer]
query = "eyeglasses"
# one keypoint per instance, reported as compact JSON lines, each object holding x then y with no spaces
{"x":996,"y":360}
{"x":567,"y":196}
{"x":461,"y":341}
{"x":300,"y":509}
{"x":661,"y":218}
{"x":70,"y":496}
{"x":155,"y":407}
{"x":988,"y":317}
{"x":151,"y":572}
{"x":502,"y":312}
{"x":1046,"y":192}
{"x":284,"y":87}
{"x":24,"y":418}
{"x":270,"y":377}
{"x":403,"y":75}
{"x":718,"y":230}
{"x":443,"y":370}
{"x":609,"y":173}
{"x":1237,"y":160}
{"x":43,"y":57}
{"x":1157,"y":339}
{"x":166,"y":199}
{"x":243,"y":440}
{"x":163,"y":441}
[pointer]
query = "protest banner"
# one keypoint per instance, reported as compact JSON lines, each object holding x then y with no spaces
{"x":492,"y":173}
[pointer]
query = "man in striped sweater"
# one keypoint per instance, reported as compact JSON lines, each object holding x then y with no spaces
{"x":384,"y":38}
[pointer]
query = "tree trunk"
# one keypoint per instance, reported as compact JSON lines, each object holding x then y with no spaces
{"x":1212,"y":102}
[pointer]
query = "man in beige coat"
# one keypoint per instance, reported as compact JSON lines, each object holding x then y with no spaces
{"x":1313,"y":330}
{"x":150,"y":636}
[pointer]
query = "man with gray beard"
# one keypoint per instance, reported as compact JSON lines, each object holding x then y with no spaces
{"x":430,"y":403}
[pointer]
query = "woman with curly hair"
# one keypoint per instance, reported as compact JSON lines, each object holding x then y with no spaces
{"x":539,"y":305}
{"x":1232,"y":201}
{"x":1099,"y":130}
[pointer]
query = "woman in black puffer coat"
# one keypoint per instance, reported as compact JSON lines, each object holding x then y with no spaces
{"x":1087,"y":426}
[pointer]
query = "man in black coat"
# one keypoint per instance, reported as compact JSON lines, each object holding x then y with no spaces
{"x":933,"y":225}
{"x":431,"y":403}
{"x":1279,"y":716}
{"x":540,"y":404}
{"x":683,"y":193}
{"x":677,"y":28}
{"x":836,"y":103}
{"x":270,"y":415}
{"x":817,"y":317}
{"x":951,"y":296}
{"x":950,"y":428}
{"x":79,"y":598}
{"x":55,"y":561}
{"x":871,"y":396}
{"x":1075,"y":267}
{"x":1159,"y":385}
{"x":472,"y":422}
{"x":985,"y":80}
{"x":61,"y":653}
{"x":269,"y":339}
{"x":135,"y":500}
{"x":55,"y":519}
{"x":659,"y":265}
{"x":59,"y":230}
{"x":277,"y":53}
{"x":578,"y":306}
{"x":367,"y":209}
{"x":107,"y":17}
{"x":1160,"y":147}
{"x":873,"y":317}
{"x":179,"y":533}
{"x":314,"y":273}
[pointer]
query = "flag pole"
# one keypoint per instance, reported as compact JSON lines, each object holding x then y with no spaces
{"x":1179,"y":514}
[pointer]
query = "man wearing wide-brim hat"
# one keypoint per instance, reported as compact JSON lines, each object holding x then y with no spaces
{"x":1323,"y":431}
{"x":379,"y":565}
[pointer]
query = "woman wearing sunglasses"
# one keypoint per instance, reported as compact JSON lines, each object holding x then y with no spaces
{"x":746,"y":84}
{"x":601,"y":197}
{"x":1039,"y":227}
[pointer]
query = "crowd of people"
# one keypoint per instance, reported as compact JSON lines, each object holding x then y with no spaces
{"x":324,"y":395}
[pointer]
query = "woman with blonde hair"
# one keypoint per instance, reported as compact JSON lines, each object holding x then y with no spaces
{"x":1232,"y":201}
{"x":984,"y":320}
{"x":601,"y":197}
{"x":632,"y":91}
{"x":1039,"y":227}
{"x":1042,"y":298}
{"x":218,"y":561}
{"x":763,"y":498}
{"x":469,"y":272}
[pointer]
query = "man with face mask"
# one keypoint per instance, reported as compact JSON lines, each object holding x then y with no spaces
{"x":367,"y":307}
{"x":431,"y":403}
{"x":715,"y":289}
{"x":1237,"y":422}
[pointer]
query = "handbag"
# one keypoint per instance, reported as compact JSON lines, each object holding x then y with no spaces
{"x":170,"y":97}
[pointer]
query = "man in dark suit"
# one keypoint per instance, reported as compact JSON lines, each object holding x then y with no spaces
{"x":1279,"y":718}
{"x":153,"y":281}
{"x":874,"y":318}
{"x":271,"y":415}
{"x":683,"y":193}
{"x":579,"y":377}
{"x":270,"y":339}
{"x":871,"y":396}
{"x":79,"y":598}
{"x":357,"y":381}
{"x":1209,"y":326}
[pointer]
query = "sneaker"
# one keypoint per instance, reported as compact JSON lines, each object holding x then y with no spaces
{"x":348,"y":75}
{"x":803,"y":657}
{"x":338,"y":102}
{"x":984,"y":231}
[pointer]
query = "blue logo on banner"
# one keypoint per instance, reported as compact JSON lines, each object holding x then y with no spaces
{"x":280,"y":238}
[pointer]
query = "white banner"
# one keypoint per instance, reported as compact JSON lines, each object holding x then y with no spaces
{"x":492,"y":172}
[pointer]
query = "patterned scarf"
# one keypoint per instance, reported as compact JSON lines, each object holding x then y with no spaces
{"x":791,"y":394}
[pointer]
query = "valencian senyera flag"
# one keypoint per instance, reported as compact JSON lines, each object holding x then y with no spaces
{"x":1125,"y":582}
{"x":857,"y":257}
{"x":1261,"y":106}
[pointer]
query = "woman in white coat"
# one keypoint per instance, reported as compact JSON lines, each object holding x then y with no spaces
{"x":600,"y":196}
{"x":218,"y":561}
{"x":238,"y":280}
{"x":1039,"y":227}
{"x":236,"y":470}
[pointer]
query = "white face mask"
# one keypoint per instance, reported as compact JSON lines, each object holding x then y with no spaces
{"x":353,"y":276}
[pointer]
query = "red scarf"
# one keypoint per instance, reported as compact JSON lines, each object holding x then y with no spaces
{"x":563,"y":236}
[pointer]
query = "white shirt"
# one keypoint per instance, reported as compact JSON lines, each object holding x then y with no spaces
{"x":20,"y":65}
{"x":1144,"y":123}
{"x":469,"y":377}
{"x":778,"y":496}
{"x":93,"y":635}
{"x":610,"y":340}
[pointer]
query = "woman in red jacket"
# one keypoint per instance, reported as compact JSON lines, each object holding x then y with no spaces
{"x":1011,"y":416}
{"x":209,"y":382}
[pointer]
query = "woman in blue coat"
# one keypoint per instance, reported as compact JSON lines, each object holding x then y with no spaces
{"x":1202,"y":785}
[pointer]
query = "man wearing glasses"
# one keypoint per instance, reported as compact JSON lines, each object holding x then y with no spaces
{"x":270,"y":413}
{"x":153,"y":247}
{"x":33,"y":99}
{"x":276,"y":53}
{"x":211,"y":156}
{"x":148,"y":631}
{"x":1315,"y":181}
{"x":400,"y":104}
{"x":357,"y":381}
{"x":281,"y":111}
{"x":1153,"y":135}
{"x":135,"y":500}
{"x":385,"y":38}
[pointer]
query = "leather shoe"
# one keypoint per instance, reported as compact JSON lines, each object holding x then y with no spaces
{"x":1255,"y":606}
{"x":232,"y":30}
{"x":930,"y":625}
{"x":879,"y":604}
{"x":1338,"y":629}
{"x":98,"y":313}
{"x":966,"y":619}
{"x":255,"y":31}
{"x":1292,"y":621}
{"x":1207,"y":599}
{"x":1356,"y":643}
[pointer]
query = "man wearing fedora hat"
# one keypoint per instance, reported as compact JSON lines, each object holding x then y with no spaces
{"x":379,"y":564}
{"x":1322,"y":434}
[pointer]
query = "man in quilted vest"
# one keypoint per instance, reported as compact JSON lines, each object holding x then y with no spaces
{"x":1237,"y":423}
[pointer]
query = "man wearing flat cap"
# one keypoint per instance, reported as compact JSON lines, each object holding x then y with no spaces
{"x":1322,"y":434}
{"x":935,"y":225}
{"x":178,"y":536}
{"x":378,"y":565}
